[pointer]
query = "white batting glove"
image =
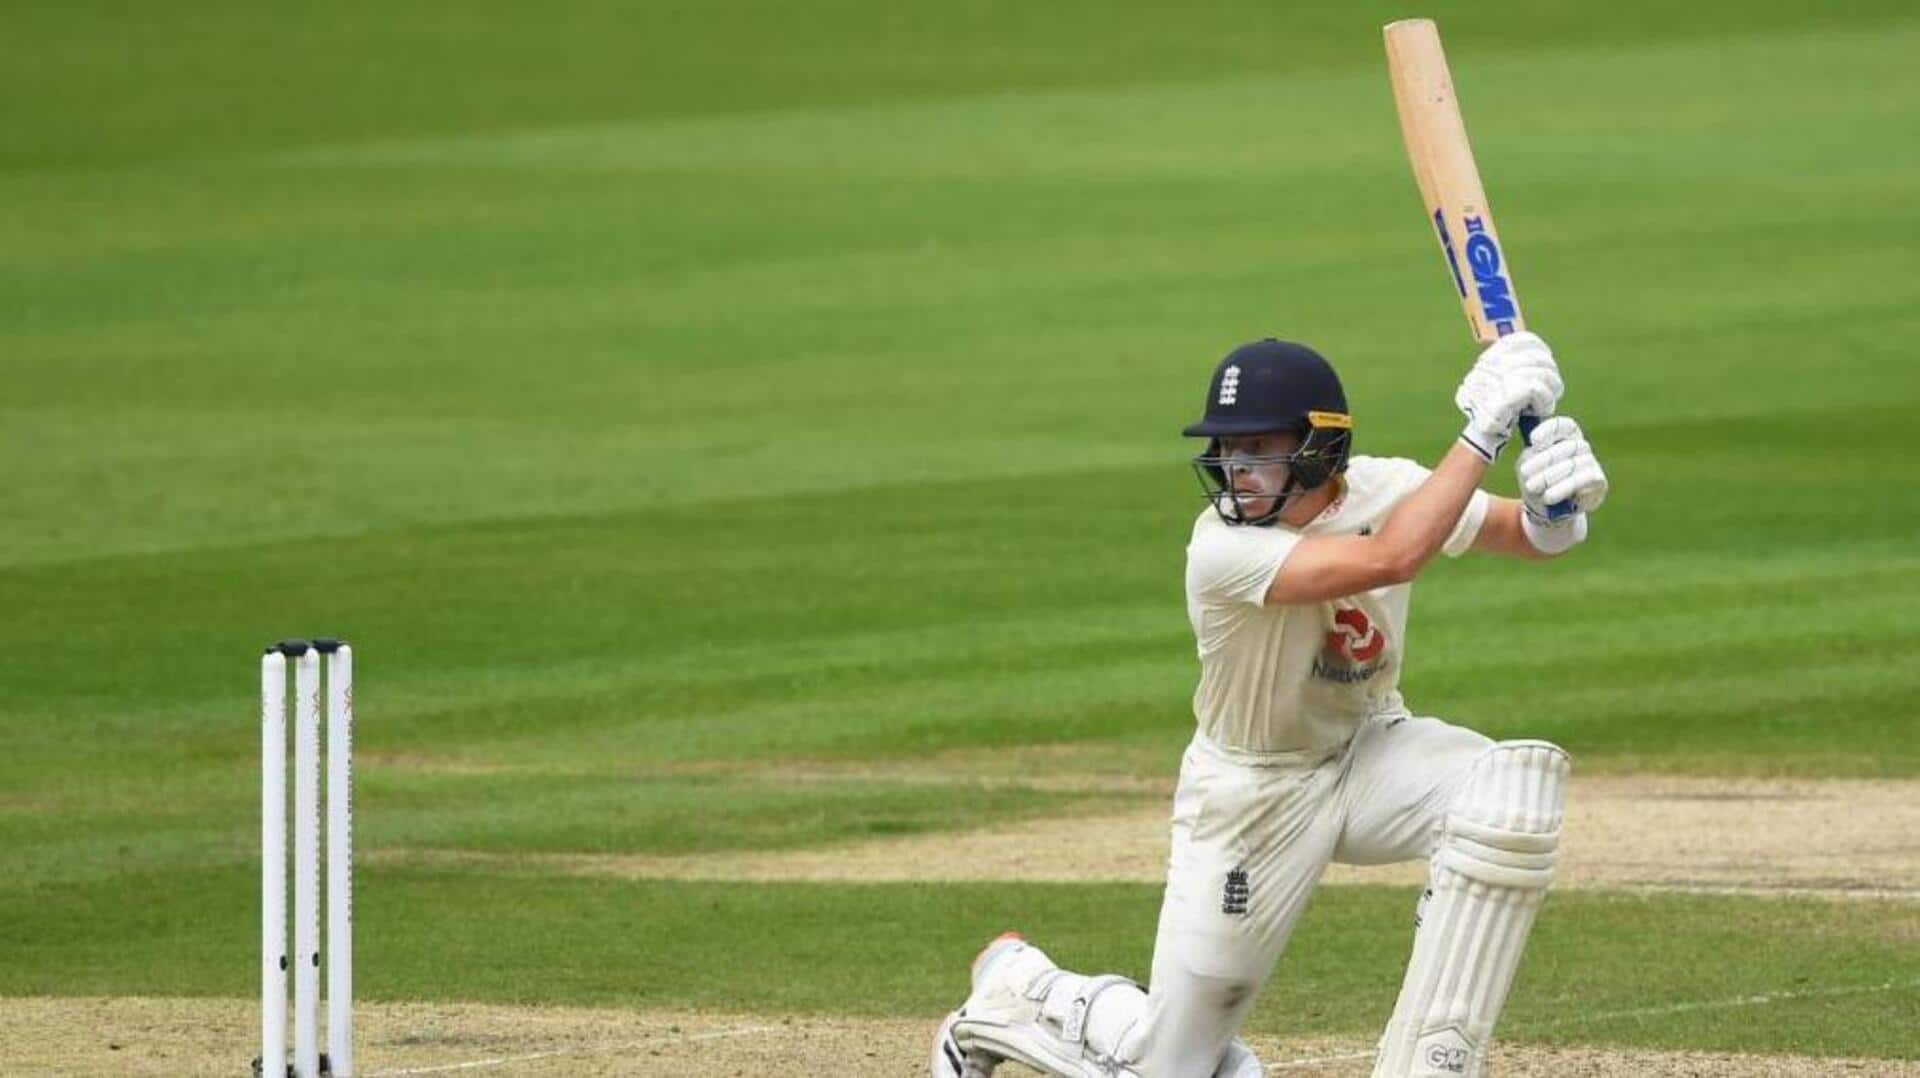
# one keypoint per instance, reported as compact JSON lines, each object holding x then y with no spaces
{"x":1560,"y":466}
{"x":1518,"y":352}
{"x":1493,"y":401}
{"x":1514,"y":375}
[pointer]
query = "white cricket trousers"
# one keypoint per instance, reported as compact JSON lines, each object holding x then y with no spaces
{"x":1251,"y":836}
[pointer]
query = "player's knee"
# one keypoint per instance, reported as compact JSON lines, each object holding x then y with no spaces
{"x":1515,"y":786}
{"x":1504,"y":826}
{"x":1227,"y":997}
{"x":1194,"y":1037}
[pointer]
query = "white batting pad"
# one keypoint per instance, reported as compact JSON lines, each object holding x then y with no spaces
{"x":1487,"y":879}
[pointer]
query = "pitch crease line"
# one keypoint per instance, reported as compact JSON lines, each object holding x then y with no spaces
{"x":1736,"y":1001}
{"x":502,"y":1061}
{"x":1648,"y":1012}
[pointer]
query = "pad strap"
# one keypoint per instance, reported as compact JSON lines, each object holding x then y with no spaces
{"x":1074,"y":1028}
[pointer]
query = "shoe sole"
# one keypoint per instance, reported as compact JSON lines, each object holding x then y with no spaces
{"x":946,"y":1059}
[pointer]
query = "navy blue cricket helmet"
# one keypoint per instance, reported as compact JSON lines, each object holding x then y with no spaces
{"x":1266,"y":387}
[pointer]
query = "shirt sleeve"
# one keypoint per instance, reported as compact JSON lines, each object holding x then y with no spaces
{"x":1467,"y":528}
{"x":1236,"y":563}
{"x":1406,"y":477}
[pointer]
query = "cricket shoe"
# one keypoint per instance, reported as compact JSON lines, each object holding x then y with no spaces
{"x":1004,"y":974}
{"x":948,"y":1061}
{"x":1010,"y":979}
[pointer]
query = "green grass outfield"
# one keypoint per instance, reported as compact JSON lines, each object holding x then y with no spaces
{"x":663,"y":398}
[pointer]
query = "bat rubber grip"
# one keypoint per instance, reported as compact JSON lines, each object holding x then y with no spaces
{"x":1558,"y":510}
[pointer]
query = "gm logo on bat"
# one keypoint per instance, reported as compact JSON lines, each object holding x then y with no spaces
{"x":1489,"y":277}
{"x":1489,"y":280}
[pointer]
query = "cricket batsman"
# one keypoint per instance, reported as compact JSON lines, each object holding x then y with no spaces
{"x":1299,"y":575}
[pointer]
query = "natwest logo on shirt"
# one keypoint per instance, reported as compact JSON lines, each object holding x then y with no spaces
{"x":1354,"y":637}
{"x":1352,"y":643}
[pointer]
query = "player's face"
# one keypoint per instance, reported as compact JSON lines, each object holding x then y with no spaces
{"x":1254,"y":477}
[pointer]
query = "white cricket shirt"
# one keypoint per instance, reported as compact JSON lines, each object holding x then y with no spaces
{"x":1301,"y":678}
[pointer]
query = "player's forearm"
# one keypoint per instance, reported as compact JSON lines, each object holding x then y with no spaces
{"x":1418,"y":527}
{"x":1501,"y":532}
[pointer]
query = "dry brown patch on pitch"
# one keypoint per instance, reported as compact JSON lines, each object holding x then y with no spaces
{"x":1812,"y":836}
{"x":159,"y":1036}
{"x":420,"y":763}
{"x":1042,"y":768}
{"x":145,"y":1036}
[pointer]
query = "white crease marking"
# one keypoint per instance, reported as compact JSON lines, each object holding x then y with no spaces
{"x":1648,"y":1012}
{"x":1736,"y":1001}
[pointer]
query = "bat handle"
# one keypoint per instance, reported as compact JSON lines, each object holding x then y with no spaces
{"x":1558,"y":510}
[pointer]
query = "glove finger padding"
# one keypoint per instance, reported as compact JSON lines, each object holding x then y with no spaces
{"x":1514,"y":349}
{"x":1514,"y":364}
{"x":1545,"y":395}
{"x":1476,"y":389}
{"x":1493,"y":401}
{"x":1554,"y":431}
{"x":1542,"y":484}
{"x":1586,"y":487}
{"x":1541,"y":468}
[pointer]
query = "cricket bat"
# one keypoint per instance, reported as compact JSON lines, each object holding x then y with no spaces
{"x":1449,"y":181}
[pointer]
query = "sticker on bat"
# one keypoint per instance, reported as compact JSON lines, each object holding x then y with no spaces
{"x":1489,"y":277}
{"x":1446,"y":245}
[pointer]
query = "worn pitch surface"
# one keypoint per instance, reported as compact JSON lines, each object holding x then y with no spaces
{"x":740,"y":441}
{"x":143,"y":1036}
